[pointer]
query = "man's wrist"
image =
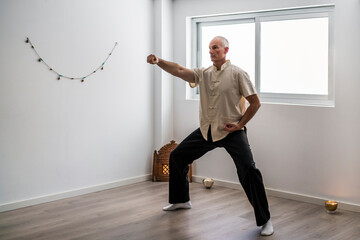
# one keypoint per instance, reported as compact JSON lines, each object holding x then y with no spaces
{"x":159,"y":61}
{"x":241,"y":126}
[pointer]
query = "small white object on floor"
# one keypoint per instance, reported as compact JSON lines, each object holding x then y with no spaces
{"x":267,"y":229}
{"x":172,"y":207}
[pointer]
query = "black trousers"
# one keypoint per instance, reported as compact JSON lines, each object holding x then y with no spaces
{"x":236,"y":144}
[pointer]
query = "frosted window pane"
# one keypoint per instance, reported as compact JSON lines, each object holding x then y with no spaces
{"x":294,"y":56}
{"x":241,"y":39}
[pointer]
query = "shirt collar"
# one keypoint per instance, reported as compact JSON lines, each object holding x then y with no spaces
{"x":227,"y":63}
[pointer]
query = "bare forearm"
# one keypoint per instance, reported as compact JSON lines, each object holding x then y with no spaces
{"x":170,"y":67}
{"x":255,"y":104}
{"x":249,"y":114}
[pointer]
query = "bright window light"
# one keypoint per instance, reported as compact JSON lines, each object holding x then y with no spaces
{"x":294,"y":56}
{"x":288,"y":53}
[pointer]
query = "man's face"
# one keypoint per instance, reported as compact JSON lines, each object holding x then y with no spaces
{"x":217,"y":51}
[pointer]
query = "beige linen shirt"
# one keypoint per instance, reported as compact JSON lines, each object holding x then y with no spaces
{"x":220,"y":94}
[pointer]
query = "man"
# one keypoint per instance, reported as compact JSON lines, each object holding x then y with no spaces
{"x":222,"y":86}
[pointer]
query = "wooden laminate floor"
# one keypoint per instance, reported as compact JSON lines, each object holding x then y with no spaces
{"x":135,"y":212}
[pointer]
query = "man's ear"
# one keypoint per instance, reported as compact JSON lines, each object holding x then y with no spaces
{"x":226,"y":49}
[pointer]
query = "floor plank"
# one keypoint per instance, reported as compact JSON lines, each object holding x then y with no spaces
{"x":134,"y":212}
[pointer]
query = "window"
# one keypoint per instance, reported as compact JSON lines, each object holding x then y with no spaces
{"x":287,"y":53}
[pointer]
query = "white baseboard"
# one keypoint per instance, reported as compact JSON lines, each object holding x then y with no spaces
{"x":198,"y":179}
{"x":72,"y":193}
{"x":283,"y":194}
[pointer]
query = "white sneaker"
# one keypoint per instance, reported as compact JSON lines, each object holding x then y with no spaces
{"x":172,"y":207}
{"x":267,"y":229}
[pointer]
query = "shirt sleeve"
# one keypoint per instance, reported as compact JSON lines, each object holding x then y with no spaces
{"x":197,"y":74}
{"x":246,"y":86}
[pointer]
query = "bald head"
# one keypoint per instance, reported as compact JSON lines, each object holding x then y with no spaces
{"x":224,"y":41}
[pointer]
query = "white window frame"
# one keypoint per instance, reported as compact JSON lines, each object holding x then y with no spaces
{"x":194,"y":49}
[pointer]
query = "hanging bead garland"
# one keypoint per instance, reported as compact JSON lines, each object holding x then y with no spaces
{"x":63,"y":76}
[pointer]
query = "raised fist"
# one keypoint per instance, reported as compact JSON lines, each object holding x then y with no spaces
{"x":152,"y":59}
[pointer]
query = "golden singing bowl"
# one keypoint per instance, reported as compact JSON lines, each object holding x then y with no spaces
{"x":331,"y":206}
{"x":208,"y":182}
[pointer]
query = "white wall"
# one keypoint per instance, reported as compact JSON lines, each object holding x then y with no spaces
{"x":57,"y":136}
{"x":163,"y":91}
{"x":299,"y":149}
